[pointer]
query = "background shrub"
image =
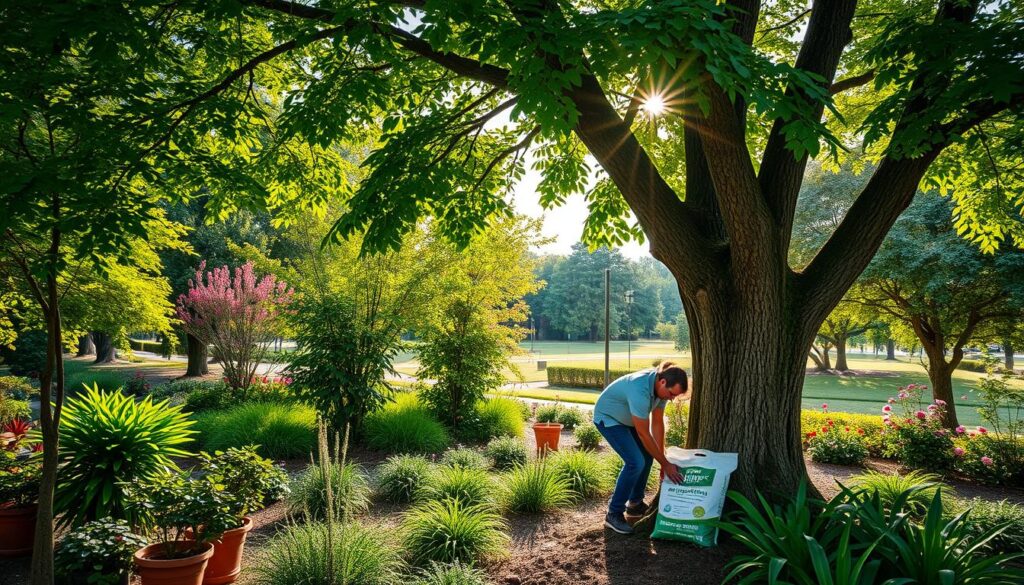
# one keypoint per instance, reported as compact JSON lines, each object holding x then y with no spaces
{"x":279,"y":431}
{"x":535,"y":487}
{"x":465,"y":484}
{"x":448,"y":530}
{"x":11,"y":408}
{"x":506,"y":453}
{"x":989,"y":459}
{"x":209,"y":396}
{"x":109,"y":440}
{"x":548,"y":413}
{"x":677,"y":414}
{"x":349,"y":485}
{"x":298,"y":556}
{"x":838,"y":445}
{"x":451,"y":574}
{"x":17,"y":388}
{"x":28,"y":356}
{"x":464,"y":457}
{"x":405,"y":426}
{"x":143,"y":345}
{"x":572,"y":417}
{"x":581,"y":377}
{"x":401,"y":477}
{"x":582,"y":471}
{"x":109,"y":380}
{"x":588,"y":437}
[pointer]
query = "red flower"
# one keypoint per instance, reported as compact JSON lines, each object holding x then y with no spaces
{"x":812,"y":434}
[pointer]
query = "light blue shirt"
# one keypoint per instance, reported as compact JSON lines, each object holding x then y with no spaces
{"x":629,"y":396}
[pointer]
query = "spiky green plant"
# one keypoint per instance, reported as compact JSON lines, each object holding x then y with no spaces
{"x":583,"y":471}
{"x":109,"y":440}
{"x":448,"y":530}
{"x":349,"y":490}
{"x":468,"y":485}
{"x":535,"y":487}
{"x":401,"y":477}
{"x":315,"y":553}
{"x":451,"y":574}
{"x":919,"y":487}
{"x":464,"y":457}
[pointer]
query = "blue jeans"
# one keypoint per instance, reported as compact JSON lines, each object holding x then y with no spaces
{"x":632,"y":479}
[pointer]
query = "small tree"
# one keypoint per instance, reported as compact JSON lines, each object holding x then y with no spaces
{"x":237,"y":315}
{"x":340,"y":362}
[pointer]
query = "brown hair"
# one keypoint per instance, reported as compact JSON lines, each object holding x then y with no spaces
{"x":673,"y":374}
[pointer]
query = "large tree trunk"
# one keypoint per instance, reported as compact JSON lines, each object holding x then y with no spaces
{"x":764,"y":393}
{"x":86,"y":346}
{"x":105,"y":351}
{"x":890,"y":350}
{"x":940,"y":375}
{"x":841,"y":354}
{"x":198,"y":357}
{"x":1008,"y":355}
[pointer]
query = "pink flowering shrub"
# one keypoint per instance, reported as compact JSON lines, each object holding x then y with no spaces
{"x":987,"y":458}
{"x":237,"y":313}
{"x":833,"y":443}
{"x":914,"y":433}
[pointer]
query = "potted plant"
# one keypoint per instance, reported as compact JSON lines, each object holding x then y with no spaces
{"x":247,"y":481}
{"x":98,"y":553}
{"x":547,"y":434}
{"x":187,"y":515}
{"x":19,"y":489}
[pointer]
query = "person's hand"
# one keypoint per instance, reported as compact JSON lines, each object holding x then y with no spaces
{"x":672,"y":472}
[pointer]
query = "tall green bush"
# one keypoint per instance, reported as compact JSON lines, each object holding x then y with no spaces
{"x":109,"y":440}
{"x":405,"y":426}
{"x":279,"y":431}
{"x":449,"y":530}
{"x":340,"y":363}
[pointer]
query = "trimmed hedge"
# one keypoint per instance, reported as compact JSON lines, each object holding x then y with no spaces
{"x":140,"y":345}
{"x":581,"y":377}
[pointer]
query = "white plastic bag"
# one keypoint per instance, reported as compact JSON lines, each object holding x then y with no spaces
{"x":687,"y":511}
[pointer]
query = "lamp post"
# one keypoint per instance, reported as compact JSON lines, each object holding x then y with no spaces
{"x":533,"y":334}
{"x":629,"y":329}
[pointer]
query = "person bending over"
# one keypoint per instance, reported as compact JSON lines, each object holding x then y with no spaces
{"x":630,"y":414}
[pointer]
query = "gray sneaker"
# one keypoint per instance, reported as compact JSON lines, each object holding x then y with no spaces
{"x":617,"y":522}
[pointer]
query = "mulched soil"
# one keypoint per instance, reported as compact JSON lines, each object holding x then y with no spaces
{"x":572,"y":546}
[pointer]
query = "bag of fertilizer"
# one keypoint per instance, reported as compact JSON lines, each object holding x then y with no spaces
{"x":687,"y":511}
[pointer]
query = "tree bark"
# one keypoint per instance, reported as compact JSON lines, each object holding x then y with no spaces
{"x":198,"y":357}
{"x":768,"y":441}
{"x":105,"y":351}
{"x":86,"y":346}
{"x":940,"y":375}
{"x":841,"y":354}
{"x":890,"y":350}
{"x":1008,"y":355}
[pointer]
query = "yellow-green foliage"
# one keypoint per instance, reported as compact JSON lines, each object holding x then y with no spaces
{"x":581,"y":377}
{"x":814,"y":419}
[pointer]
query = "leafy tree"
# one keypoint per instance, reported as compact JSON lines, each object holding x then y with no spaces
{"x":715,"y":195}
{"x":930,"y":283}
{"x":468,"y":344}
{"x":682,"y":333}
{"x":844,"y":323}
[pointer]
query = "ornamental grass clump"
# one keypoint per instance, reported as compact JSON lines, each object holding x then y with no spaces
{"x":110,"y":440}
{"x":506,"y":453}
{"x":464,"y":457}
{"x":914,"y":489}
{"x":499,"y":417}
{"x":350,"y":491}
{"x":449,"y":530}
{"x":582,"y":471}
{"x":456,"y":573}
{"x":405,"y":426}
{"x":402,"y":477}
{"x":279,"y":431}
{"x":466,"y":484}
{"x":535,"y":487}
{"x":317,"y":553}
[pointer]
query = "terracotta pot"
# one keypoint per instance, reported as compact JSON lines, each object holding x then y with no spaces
{"x":226,"y":562}
{"x":17,"y":530}
{"x":155,"y":570}
{"x":547,"y":436}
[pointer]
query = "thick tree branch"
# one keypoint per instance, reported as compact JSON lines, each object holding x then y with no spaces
{"x":851,"y":82}
{"x":828,"y":33}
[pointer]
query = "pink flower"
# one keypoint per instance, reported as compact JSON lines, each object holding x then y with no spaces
{"x":982,"y":430}
{"x":958,"y":451}
{"x":921,"y":415}
{"x":961,"y":430}
{"x":886,"y":408}
{"x":931,"y":407}
{"x":903,"y":394}
{"x":987,"y":461}
{"x":824,"y":406}
{"x":940,"y":402}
